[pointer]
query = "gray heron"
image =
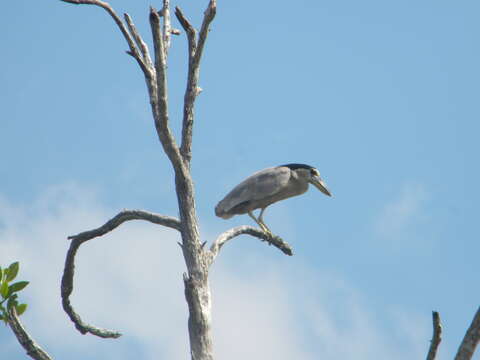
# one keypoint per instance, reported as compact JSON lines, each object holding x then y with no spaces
{"x":266,"y":187}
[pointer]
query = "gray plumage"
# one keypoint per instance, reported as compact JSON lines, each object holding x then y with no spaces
{"x":266,"y":187}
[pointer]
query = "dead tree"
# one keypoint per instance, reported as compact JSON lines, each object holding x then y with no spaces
{"x":198,"y":257}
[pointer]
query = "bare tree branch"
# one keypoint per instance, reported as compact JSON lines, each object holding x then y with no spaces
{"x":127,"y":215}
{"x":139,"y":41}
{"x":191,"y":33}
{"x":437,"y":336}
{"x":197,"y":290}
{"x":131,"y":44}
{"x":209,"y":15}
{"x":66,"y":291}
{"x":192,"y":90}
{"x":158,"y":43}
{"x":31,"y":347}
{"x":470,"y":341}
{"x":247,"y":230}
{"x":79,"y":239}
{"x":167,"y":27}
{"x":158,"y":94}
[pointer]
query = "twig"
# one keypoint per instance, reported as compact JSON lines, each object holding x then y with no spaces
{"x":470,"y":341}
{"x":79,"y":239}
{"x":247,"y":230}
{"x":139,"y":41}
{"x":192,"y":90}
{"x":131,"y":44}
{"x":437,"y":336}
{"x":31,"y":347}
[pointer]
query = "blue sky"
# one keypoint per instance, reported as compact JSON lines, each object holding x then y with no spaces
{"x":380,"y":96}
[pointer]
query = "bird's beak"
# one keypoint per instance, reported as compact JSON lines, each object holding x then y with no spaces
{"x":320,"y":185}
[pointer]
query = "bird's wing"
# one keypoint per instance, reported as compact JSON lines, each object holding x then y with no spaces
{"x":260,"y":185}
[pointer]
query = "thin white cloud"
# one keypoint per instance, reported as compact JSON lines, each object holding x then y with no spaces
{"x":399,"y":216}
{"x":130,"y":280}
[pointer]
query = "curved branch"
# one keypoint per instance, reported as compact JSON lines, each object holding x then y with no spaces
{"x":127,"y":215}
{"x":471,"y":339}
{"x":31,"y":347}
{"x":66,"y":291}
{"x":131,"y":44}
{"x":79,"y":239}
{"x":437,"y":336}
{"x":247,"y":230}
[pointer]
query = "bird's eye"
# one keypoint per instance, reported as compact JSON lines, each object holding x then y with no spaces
{"x":314,"y":172}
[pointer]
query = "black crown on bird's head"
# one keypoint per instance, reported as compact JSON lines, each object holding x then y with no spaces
{"x":295,"y":166}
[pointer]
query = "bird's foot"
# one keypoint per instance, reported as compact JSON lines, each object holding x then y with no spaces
{"x":269,"y":234}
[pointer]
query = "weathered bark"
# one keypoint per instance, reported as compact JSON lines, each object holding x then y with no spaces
{"x":247,"y":230}
{"x":197,"y":291}
{"x":436,"y":337}
{"x":31,"y":347}
{"x":471,"y":339}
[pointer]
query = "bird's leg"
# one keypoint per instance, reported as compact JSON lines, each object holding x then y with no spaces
{"x":260,"y":223}
{"x":264,"y":226}
{"x":255,"y":219}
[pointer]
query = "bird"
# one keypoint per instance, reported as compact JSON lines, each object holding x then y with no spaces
{"x":266,"y":187}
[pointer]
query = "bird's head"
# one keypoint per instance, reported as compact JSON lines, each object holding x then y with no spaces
{"x":316,"y":180}
{"x":310,"y":174}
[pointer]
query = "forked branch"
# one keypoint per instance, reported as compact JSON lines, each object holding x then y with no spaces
{"x":79,"y":239}
{"x":247,"y":230}
{"x":31,"y":347}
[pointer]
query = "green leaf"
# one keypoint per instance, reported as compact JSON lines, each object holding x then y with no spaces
{"x":12,"y":271}
{"x":17,"y":286}
{"x":1,"y":273}
{"x":4,"y":289}
{"x":21,"y":309}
